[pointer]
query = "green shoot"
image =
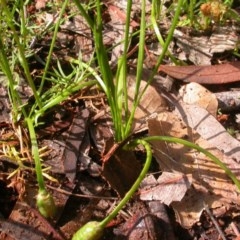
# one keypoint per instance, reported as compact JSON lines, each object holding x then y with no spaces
{"x":52,"y":45}
{"x":229,"y":173}
{"x":20,"y":47}
{"x":45,"y":200}
{"x":94,"y":230}
{"x":60,"y":90}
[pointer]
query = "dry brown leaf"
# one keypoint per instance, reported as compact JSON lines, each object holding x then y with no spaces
{"x":210,"y":129}
{"x":216,"y":74}
{"x":194,"y":93}
{"x":200,"y":49}
{"x":151,"y":102}
{"x":169,"y":187}
{"x":210,"y":184}
{"x":121,"y":170}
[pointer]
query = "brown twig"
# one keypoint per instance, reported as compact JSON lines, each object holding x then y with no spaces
{"x":214,"y":222}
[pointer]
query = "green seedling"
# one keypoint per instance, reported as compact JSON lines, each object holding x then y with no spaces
{"x":116,"y":92}
{"x":94,"y":230}
{"x":62,"y":86}
{"x":114,"y":85}
{"x":45,"y":202}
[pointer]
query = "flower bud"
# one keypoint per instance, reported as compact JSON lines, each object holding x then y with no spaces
{"x":90,"y":231}
{"x":45,"y":204}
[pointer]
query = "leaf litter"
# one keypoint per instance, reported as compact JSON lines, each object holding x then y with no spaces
{"x":195,"y":180}
{"x":210,"y":185}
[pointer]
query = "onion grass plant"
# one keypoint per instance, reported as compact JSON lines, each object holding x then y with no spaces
{"x":115,"y":88}
{"x":62,"y":86}
{"x":94,"y":230}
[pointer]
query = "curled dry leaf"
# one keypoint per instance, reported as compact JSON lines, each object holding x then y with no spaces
{"x":216,"y":74}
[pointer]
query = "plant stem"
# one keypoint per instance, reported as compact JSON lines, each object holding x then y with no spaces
{"x":121,"y":93}
{"x":205,"y":152}
{"x":154,"y":14}
{"x":36,"y":156}
{"x":135,"y":186}
{"x":7,"y":71}
{"x":61,"y":97}
{"x":84,"y":14}
{"x":169,"y":38}
{"x":191,"y":11}
{"x":52,"y":45}
{"x":107,"y":74}
{"x":22,"y":57}
{"x":140,"y":60}
{"x":164,"y":51}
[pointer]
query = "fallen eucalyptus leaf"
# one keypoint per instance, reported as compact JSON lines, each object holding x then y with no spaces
{"x":213,"y":74}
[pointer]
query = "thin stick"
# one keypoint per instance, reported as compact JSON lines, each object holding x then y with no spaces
{"x":214,"y":221}
{"x":60,"y":190}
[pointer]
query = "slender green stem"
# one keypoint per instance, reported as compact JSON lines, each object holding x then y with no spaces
{"x":169,"y":38}
{"x":191,"y":11}
{"x":36,"y":156}
{"x":107,"y":74}
{"x":65,"y":3}
{"x":7,"y":71}
{"x":22,"y":57}
{"x":140,"y":57}
{"x":140,"y":60}
{"x":61,"y":97}
{"x":121,"y":93}
{"x":15,"y":99}
{"x":164,"y":51}
{"x":102,"y":54}
{"x":45,"y":201}
{"x":135,"y":186}
{"x":157,"y":31}
{"x":194,"y":146}
{"x":84,"y":13}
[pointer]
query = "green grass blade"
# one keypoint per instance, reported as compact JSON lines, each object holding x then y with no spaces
{"x":65,"y":3}
{"x":198,"y":148}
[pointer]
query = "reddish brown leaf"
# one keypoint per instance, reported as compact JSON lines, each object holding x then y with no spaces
{"x":119,"y":16}
{"x":121,"y":170}
{"x":217,"y":74}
